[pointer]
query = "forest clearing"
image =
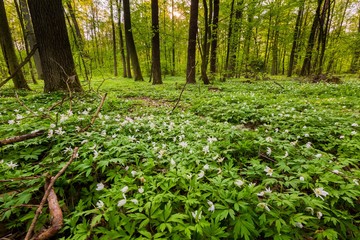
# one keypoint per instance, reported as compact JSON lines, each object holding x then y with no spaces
{"x":232,"y":119}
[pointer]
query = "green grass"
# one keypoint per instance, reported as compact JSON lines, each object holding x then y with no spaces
{"x":199,"y":172}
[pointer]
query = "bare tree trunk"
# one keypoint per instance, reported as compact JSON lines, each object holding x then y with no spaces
{"x":155,"y":43}
{"x":205,"y":47}
{"x":122,"y":47}
{"x":8,"y":50}
{"x":214,"y":36}
{"x":113,"y":37}
{"x":130,"y":42}
{"x":229,"y":36}
{"x":54,"y":46}
{"x":297,"y":32}
{"x":173,"y":38}
{"x":191,"y":54}
{"x":355,"y":63}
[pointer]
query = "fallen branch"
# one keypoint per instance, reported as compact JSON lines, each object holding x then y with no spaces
{"x":279,"y":85}
{"x":96,"y":114}
{"x":27,"y":108}
{"x":56,"y":216}
{"x":265,"y":157}
{"x":47,"y":193}
{"x":57,"y":103}
{"x":26,"y":60}
{"x":21,"y":138}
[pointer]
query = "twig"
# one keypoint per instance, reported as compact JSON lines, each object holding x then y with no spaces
{"x":56,"y":216}
{"x":57,"y":103}
{"x":20,"y":179}
{"x":47,"y":192}
{"x":96,"y":114}
{"x":21,"y":138}
{"x":23,"y":104}
{"x":279,"y":85}
{"x":263,"y":156}
{"x":26,"y":60}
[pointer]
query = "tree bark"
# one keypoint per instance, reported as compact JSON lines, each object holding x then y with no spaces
{"x":130,"y":42}
{"x":113,"y":37}
{"x":122,"y":48}
{"x":214,"y":37}
{"x":191,"y":53}
{"x":205,"y":46}
{"x":155,"y":43}
{"x":54,"y":46}
{"x":297,"y":33}
{"x":8,"y":50}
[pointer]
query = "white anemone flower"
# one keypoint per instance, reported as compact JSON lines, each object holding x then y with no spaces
{"x":239,"y":182}
{"x":320,"y":192}
{"x":99,"y":186}
{"x":125,"y":189}
{"x":212,"y":206}
{"x":100,"y":204}
{"x":269,"y":171}
{"x":319,"y":215}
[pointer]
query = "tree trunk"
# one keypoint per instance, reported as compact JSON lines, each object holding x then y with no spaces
{"x":214,"y":36}
{"x":155,"y":43}
{"x":122,"y":48}
{"x":113,"y":37}
{"x":229,"y":36}
{"x":54,"y":46}
{"x":355,"y":63}
{"x":30,"y":36}
{"x":8,"y":50}
{"x":324,"y":32}
{"x":191,"y":54}
{"x":306,"y":68}
{"x":205,"y":47}
{"x":297,"y":32}
{"x":173,"y":38}
{"x":130,"y":42}
{"x":26,"y":44}
{"x":75,"y":22}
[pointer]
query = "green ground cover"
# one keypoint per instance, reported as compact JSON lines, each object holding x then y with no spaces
{"x":240,"y":161}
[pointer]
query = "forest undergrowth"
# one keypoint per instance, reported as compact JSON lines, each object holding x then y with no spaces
{"x":239,"y":160}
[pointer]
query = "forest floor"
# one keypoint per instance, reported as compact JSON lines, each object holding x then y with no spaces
{"x":241,"y":159}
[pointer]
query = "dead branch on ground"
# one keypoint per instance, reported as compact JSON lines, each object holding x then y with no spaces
{"x":21,"y":138}
{"x":47,"y":193}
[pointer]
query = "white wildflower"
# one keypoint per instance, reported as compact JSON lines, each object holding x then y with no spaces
{"x":308,"y":145}
{"x":353,"y":133}
{"x":201,"y":174}
{"x":103,"y":133}
{"x":50,"y":133}
{"x":299,"y":225}
{"x":63,"y":118}
{"x":319,"y":155}
{"x":133,"y":173}
{"x":99,"y":186}
{"x":319,"y":215}
{"x":268,"y":190}
{"x":342,"y":137}
{"x":320,"y":192}
{"x":268,"y":151}
{"x":96,"y":154}
{"x":11,"y":122}
{"x":125,"y":189}
{"x":134,"y":201}
{"x":306,"y":135}
{"x":172,"y":162}
{"x":59,"y":131}
{"x":286,"y":154}
{"x":269,"y":139}
{"x":354,"y":125}
{"x":212,"y":139}
{"x":336,"y":171}
{"x":310,"y":209}
{"x":206,"y":167}
{"x":264,"y":206}
{"x":239,"y":182}
{"x":183,"y":144}
{"x":121,"y":203}
{"x":269,"y":171}
{"x":206,"y":149}
{"x":100,"y":204}
{"x":12,"y":165}
{"x":260,"y":194}
{"x":19,"y":117}
{"x":302,"y":178}
{"x":132,"y":139}
{"x":196,"y":215}
{"x":356,"y":181}
{"x":212,"y":206}
{"x":141,"y":190}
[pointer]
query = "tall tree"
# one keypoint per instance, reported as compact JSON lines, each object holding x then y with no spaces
{"x":113,"y":36}
{"x":122,"y":45}
{"x":191,"y":52}
{"x":8,"y":49}
{"x":206,"y":42}
{"x":355,"y":62}
{"x":54,"y":46}
{"x":130,"y":43}
{"x":155,"y":43}
{"x":214,"y":36}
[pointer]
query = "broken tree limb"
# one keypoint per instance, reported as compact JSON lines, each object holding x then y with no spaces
{"x":26,"y":60}
{"x":21,"y":138}
{"x":47,"y":192}
{"x":96,"y":114}
{"x":56,"y":216}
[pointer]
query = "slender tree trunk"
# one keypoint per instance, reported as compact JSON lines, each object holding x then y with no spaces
{"x":191,"y":54}
{"x":130,"y":43}
{"x":122,"y":48}
{"x":306,"y":68}
{"x":155,"y":43}
{"x":214,"y":36}
{"x":113,"y":37}
{"x":324,"y":26}
{"x":94,"y":31}
{"x":267,"y":41}
{"x":75,"y":22}
{"x":274,"y":65}
{"x":205,"y":52}
{"x":26,"y":44}
{"x":229,"y":35}
{"x":355,"y":63}
{"x":8,"y":50}
{"x":54,"y":46}
{"x":30,"y":36}
{"x":297,"y":33}
{"x":173,"y":38}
